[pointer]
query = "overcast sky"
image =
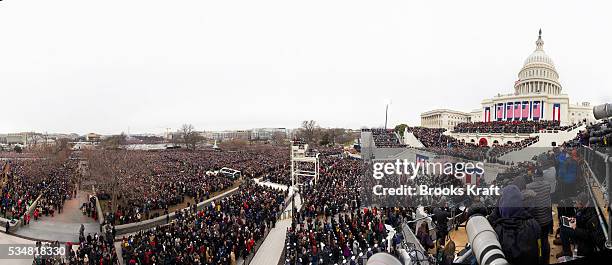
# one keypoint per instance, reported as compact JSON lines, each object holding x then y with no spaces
{"x":103,"y":66}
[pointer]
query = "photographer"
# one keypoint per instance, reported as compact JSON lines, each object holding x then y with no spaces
{"x":583,"y":231}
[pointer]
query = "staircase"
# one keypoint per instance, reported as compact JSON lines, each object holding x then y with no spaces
{"x":547,"y":139}
{"x":411,"y":140}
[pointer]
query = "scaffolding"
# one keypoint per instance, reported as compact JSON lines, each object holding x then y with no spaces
{"x":304,"y":163}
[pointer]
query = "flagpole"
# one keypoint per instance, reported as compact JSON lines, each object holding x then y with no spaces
{"x":386,"y":114}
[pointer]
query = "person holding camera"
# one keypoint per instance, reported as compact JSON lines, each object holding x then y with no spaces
{"x":583,"y":230}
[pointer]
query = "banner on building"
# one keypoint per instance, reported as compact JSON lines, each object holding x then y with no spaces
{"x":517,"y":110}
{"x":500,"y":111}
{"x":556,"y":112}
{"x":509,"y":111}
{"x":537,"y":110}
{"x":525,"y":110}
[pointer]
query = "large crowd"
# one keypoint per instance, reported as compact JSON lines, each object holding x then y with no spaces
{"x":27,"y":179}
{"x":153,"y":182}
{"x":507,"y":126}
{"x":435,"y":140}
{"x":96,"y":249}
{"x":221,"y":233}
{"x":333,"y":225}
{"x":385,"y":137}
{"x":499,"y":150}
{"x":330,"y":227}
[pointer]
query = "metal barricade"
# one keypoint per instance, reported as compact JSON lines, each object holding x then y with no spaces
{"x":598,"y":165}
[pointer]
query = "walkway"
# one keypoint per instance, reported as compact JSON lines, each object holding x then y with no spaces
{"x":6,"y":240}
{"x":62,"y":227}
{"x":271,"y":184}
{"x":272,"y":247}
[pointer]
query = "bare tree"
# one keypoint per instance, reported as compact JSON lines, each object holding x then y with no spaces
{"x":309,"y":132}
{"x":335,"y":136}
{"x":190,"y":136}
{"x":108,"y":168}
{"x":115,"y":141}
{"x":346,"y":137}
{"x":278,"y":138}
{"x":234,"y":144}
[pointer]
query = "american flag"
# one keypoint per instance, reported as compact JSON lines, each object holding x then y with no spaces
{"x":421,"y":159}
{"x":536,"y":109}
{"x":517,"y":110}
{"x":525,"y":112}
{"x":509,"y":112}
{"x":500,"y":111}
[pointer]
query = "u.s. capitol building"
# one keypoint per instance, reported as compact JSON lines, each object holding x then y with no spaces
{"x":537,"y":96}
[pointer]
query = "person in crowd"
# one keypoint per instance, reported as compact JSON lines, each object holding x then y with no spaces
{"x":424,"y":237}
{"x":549,"y":173}
{"x":540,"y":207}
{"x":441,"y":216}
{"x":518,"y":232}
{"x":584,"y":230}
{"x":568,"y":172}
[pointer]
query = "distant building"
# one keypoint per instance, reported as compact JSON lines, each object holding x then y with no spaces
{"x":93,"y":137}
{"x":228,"y":135}
{"x":443,"y":118}
{"x":265,"y":134}
{"x":22,"y":138}
{"x":475,"y":115}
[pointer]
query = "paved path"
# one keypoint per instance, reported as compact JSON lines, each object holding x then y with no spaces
{"x":271,"y":184}
{"x":272,"y":247}
{"x":6,"y":240}
{"x":62,"y":227}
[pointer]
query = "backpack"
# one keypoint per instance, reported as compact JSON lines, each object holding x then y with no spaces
{"x":519,"y":239}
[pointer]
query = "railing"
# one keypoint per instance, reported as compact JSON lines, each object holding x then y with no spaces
{"x":251,"y":255}
{"x":100,"y":213}
{"x":599,"y":166}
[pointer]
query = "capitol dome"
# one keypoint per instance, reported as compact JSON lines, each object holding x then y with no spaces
{"x":539,"y":56}
{"x":538,"y":75}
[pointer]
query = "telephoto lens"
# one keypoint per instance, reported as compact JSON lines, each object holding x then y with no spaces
{"x":595,"y":140}
{"x":484,"y":242}
{"x":602,"y":111}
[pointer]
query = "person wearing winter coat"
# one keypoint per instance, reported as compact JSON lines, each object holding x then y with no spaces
{"x":539,"y":205}
{"x":584,"y":230}
{"x":518,"y":232}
